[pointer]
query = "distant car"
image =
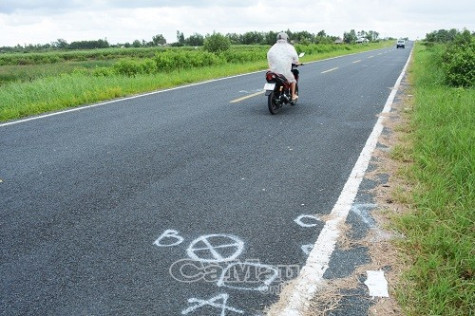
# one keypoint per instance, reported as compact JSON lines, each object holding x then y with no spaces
{"x":401,"y":44}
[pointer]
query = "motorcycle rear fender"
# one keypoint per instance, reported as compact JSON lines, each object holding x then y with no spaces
{"x":273,"y":77}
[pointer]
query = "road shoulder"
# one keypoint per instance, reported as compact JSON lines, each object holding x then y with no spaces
{"x":365,"y":245}
{"x":368,"y":242}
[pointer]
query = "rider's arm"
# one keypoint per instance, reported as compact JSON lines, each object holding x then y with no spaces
{"x":295,"y":56}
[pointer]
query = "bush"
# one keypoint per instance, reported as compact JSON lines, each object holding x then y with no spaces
{"x":180,"y":59}
{"x":459,"y":61}
{"x":127,"y":67}
{"x":217,"y":43}
{"x":133,"y":67}
{"x":103,"y":72}
{"x":148,"y":66}
{"x":242,"y":56}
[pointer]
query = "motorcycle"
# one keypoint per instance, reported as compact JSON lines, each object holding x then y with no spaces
{"x":278,"y":89}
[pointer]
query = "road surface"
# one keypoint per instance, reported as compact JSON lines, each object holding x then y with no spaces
{"x":190,"y":201}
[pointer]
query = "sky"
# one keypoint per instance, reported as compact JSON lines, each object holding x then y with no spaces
{"x":123,"y":21}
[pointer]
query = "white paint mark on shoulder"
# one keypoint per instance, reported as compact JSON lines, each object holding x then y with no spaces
{"x":362,"y":211}
{"x":377,"y":284}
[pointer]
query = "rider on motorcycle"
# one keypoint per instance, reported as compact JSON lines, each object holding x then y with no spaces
{"x":280,"y":57}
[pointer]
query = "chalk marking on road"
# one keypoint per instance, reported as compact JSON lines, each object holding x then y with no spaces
{"x":301,"y":223}
{"x":169,"y":234}
{"x":205,"y":248}
{"x":247,"y":97}
{"x":271,"y":273}
{"x":211,"y":302}
{"x":307,"y":248}
{"x":310,"y":279}
{"x":333,"y":69}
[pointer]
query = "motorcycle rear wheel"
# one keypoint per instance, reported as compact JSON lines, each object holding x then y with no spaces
{"x":274,"y":107}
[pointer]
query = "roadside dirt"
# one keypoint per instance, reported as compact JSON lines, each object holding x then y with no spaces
{"x":390,"y":198}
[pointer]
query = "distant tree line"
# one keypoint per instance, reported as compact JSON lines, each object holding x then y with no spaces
{"x":89,"y":44}
{"x":444,"y":36}
{"x":256,"y":38}
{"x":248,"y":38}
{"x":269,"y":38}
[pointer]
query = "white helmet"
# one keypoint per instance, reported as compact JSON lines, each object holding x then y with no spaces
{"x":282,"y":36}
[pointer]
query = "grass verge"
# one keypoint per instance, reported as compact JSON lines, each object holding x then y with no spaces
{"x":439,"y":229}
{"x":70,"y":89}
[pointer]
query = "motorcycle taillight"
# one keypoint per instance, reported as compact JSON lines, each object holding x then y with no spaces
{"x":270,"y":76}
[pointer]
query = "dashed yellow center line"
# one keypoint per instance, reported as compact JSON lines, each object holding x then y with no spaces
{"x":333,"y":69}
{"x":247,"y":97}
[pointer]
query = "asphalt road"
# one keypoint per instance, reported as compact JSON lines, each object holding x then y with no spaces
{"x":181,"y":202}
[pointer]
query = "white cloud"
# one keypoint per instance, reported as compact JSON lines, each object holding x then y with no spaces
{"x":120,"y":21}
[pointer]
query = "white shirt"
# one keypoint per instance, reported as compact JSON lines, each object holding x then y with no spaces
{"x":280,"y":57}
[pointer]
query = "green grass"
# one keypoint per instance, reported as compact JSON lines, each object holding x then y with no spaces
{"x":28,"y":73}
{"x":40,"y":88}
{"x":439,"y":231}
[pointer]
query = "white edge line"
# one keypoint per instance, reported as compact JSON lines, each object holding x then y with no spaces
{"x":83,"y":107}
{"x":310,"y":278}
